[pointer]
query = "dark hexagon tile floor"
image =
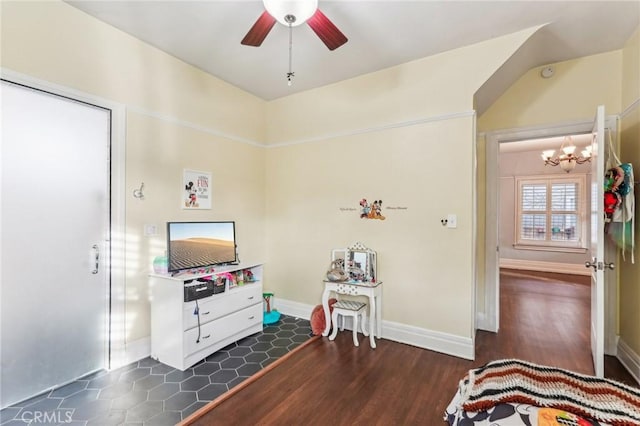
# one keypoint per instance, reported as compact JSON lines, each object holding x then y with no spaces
{"x":148,"y":392}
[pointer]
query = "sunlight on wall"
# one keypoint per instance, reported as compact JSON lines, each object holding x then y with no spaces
{"x":117,"y":314}
{"x":132,"y":254}
{"x":132,"y":293}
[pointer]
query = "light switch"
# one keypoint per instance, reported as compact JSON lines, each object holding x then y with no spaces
{"x":150,"y":230}
{"x":452,"y":221}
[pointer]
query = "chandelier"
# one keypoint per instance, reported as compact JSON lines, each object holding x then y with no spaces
{"x":567,"y":160}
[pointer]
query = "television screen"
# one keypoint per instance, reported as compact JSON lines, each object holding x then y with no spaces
{"x":199,"y":244}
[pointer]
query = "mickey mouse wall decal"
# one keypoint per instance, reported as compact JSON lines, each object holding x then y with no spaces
{"x":371,"y":211}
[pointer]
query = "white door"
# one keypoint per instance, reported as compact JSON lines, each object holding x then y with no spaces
{"x":54,"y":231}
{"x":597,"y":242}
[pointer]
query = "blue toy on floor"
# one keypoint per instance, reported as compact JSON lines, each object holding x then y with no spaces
{"x":270,"y":316}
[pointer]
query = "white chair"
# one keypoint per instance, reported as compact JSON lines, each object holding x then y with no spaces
{"x":349,"y":308}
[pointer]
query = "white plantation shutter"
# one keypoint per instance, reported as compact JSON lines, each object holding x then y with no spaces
{"x":534,"y":197}
{"x":564,"y":209}
{"x":533,"y":226}
{"x":549,"y":210}
{"x":564,"y":196}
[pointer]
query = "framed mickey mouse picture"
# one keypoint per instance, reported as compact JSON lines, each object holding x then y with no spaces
{"x":196,"y":190}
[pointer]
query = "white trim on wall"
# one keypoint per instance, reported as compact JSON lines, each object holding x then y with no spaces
{"x":635,"y":104}
{"x":217,"y":133}
{"x":629,"y":359}
{"x":474,"y":238}
{"x":293,"y":309}
{"x":214,"y":132}
{"x":193,"y":126}
{"x":540,"y":266}
{"x":462,"y":347}
{"x":409,"y":123}
{"x":489,"y":320}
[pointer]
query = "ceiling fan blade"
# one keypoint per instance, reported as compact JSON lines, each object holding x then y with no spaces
{"x":259,"y":31}
{"x":328,"y":33}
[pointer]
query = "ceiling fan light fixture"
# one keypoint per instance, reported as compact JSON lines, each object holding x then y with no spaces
{"x":302,"y":10}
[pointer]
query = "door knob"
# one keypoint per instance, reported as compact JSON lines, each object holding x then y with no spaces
{"x":599,"y":265}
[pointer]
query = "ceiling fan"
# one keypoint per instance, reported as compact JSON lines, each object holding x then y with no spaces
{"x":292,"y":13}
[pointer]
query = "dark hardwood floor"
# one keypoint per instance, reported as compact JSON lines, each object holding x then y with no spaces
{"x":543,"y":320}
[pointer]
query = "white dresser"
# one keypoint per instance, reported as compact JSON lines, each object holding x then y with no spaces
{"x":183,"y":333}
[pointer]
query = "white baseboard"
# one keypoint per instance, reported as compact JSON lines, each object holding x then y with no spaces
{"x":449,"y":344}
{"x":483,"y":323}
{"x":130,"y":352}
{"x":415,"y":336}
{"x":294,"y":309}
{"x":539,"y":266}
{"x":629,"y":359}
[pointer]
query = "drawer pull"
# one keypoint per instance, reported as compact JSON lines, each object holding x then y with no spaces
{"x":252,"y":317}
{"x":250,"y":298}
{"x":206,"y":337}
{"x":206,"y":313}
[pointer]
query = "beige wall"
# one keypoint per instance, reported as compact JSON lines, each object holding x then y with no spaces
{"x":55,"y":42}
{"x":404,"y":135}
{"x":428,"y":87}
{"x":630,"y":152}
{"x":157,"y":152}
{"x":572,"y":94}
{"x":312,"y":207}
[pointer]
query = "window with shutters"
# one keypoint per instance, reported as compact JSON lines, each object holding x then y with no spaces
{"x":551,"y":212}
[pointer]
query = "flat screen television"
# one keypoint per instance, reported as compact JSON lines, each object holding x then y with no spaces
{"x":193,"y":245}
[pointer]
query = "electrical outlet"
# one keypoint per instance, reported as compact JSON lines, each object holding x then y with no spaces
{"x":452,"y":221}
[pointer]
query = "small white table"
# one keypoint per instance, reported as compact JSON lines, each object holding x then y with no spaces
{"x":372,"y":290}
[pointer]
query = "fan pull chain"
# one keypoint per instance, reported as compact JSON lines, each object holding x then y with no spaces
{"x":290,"y":74}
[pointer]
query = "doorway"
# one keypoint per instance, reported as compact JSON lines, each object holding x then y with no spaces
{"x":490,"y":320}
{"x":56,"y":232}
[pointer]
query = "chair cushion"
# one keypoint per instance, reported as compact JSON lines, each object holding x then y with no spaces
{"x":349,"y":305}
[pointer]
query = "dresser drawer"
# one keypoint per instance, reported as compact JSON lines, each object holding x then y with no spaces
{"x":212,"y":332}
{"x":219,"y":305}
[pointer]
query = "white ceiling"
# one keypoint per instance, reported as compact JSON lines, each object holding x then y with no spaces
{"x":381,"y":34}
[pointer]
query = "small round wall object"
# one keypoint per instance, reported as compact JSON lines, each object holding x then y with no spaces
{"x":547,"y":72}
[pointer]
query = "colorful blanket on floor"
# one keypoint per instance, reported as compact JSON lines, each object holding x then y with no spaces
{"x":516,"y":381}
